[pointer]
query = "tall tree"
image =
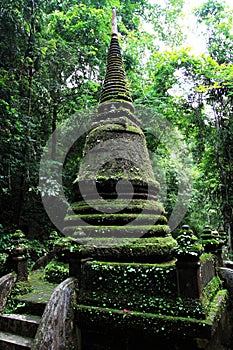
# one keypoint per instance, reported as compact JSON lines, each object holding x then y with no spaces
{"x":217,"y":88}
{"x":52,"y":64}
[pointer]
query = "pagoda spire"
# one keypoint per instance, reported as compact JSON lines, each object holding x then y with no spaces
{"x":114,"y":22}
{"x":115,"y":87}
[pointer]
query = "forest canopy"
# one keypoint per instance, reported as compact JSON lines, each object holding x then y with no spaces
{"x":53,"y":59}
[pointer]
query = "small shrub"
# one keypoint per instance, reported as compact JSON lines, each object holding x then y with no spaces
{"x":56,"y":271}
{"x":3,"y":267}
{"x":20,"y":288}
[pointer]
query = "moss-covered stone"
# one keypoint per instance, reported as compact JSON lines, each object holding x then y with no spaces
{"x":154,"y":249}
{"x":120,"y":206}
{"x":141,"y":287}
{"x":118,"y":219}
{"x":189,"y":247}
{"x":115,"y":86}
{"x":120,"y":150}
{"x":116,"y":114}
{"x":128,"y":231}
{"x":116,"y":170}
{"x":210,"y":291}
{"x":155,"y":280}
{"x":210,"y":240}
{"x":150,"y":323}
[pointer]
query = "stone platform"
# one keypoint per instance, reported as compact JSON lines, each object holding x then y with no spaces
{"x":130,"y":306}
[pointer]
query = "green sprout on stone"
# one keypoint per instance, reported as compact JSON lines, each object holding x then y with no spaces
{"x":210,"y":239}
{"x":189,"y":247}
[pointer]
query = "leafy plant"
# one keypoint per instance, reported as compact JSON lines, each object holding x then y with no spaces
{"x":56,"y":271}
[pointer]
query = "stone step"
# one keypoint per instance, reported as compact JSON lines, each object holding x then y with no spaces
{"x":9,"y":341}
{"x":34,"y":307}
{"x":23,"y":325}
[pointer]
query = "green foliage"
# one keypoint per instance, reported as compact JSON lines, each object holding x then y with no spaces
{"x":3,"y":260}
{"x":210,"y":239}
{"x":19,"y":289}
{"x":53,"y":237}
{"x":34,"y":248}
{"x":11,"y":240}
{"x":217,"y":18}
{"x":56,"y":272}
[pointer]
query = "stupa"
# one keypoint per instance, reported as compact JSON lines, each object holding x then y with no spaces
{"x":133,"y":293}
{"x":115,"y":190}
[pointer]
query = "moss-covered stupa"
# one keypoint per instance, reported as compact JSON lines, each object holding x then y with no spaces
{"x":136,"y":288}
{"x":116,"y":191}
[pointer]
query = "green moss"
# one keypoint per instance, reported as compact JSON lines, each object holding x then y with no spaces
{"x":189,"y":247}
{"x":106,"y":265}
{"x":136,"y":287}
{"x":103,"y":132}
{"x":35,"y":291}
{"x":156,"y":323}
{"x":121,"y":231}
{"x":147,"y":322}
{"x":217,"y":306}
{"x":22,"y":288}
{"x":115,"y":158}
{"x":66,"y":243}
{"x":120,"y":219}
{"x":120,"y":205}
{"x":210,"y":291}
{"x":136,"y":302}
{"x":63,"y":247}
{"x":153,"y":249}
{"x":206,"y":257}
{"x":149,"y":279}
{"x":56,"y":271}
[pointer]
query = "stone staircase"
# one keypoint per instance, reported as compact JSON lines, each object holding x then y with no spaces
{"x":17,"y":331}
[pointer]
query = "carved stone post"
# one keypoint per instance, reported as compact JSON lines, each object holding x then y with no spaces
{"x":76,"y":266}
{"x":188,"y":270}
{"x":189,"y":282}
{"x":20,"y":266}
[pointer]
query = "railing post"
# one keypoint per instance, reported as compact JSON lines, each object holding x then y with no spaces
{"x":20,"y":265}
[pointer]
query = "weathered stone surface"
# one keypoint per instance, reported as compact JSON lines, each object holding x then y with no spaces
{"x":56,"y":330}
{"x":115,"y":85}
{"x":6,"y":285}
{"x":43,"y":261}
{"x":152,"y":331}
{"x":227,"y":276}
{"x":151,"y":250}
{"x":9,"y":341}
{"x":23,"y":325}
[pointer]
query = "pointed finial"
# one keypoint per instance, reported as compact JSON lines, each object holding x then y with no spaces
{"x":115,"y":87}
{"x":114,"y":21}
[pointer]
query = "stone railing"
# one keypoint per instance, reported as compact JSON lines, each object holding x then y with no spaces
{"x":6,"y":285}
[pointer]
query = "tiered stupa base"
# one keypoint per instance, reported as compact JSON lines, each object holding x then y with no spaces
{"x":135,"y":305}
